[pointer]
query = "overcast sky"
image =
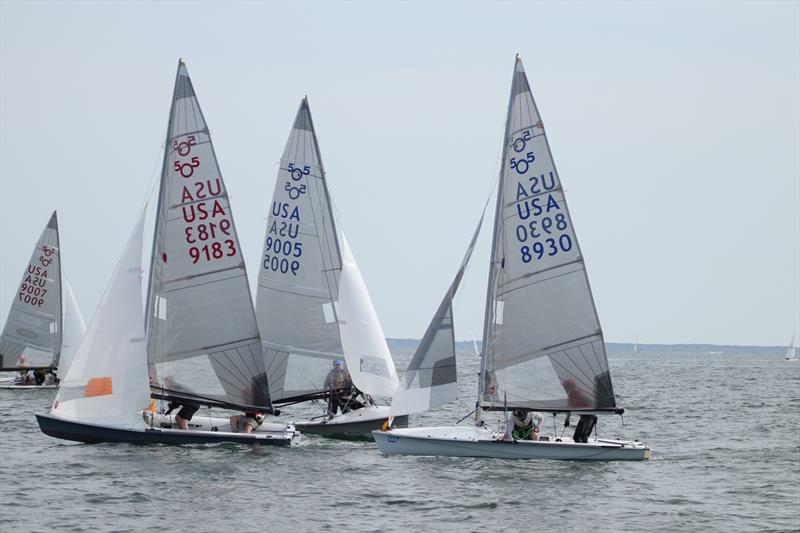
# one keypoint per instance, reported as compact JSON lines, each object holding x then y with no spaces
{"x":675,"y":128}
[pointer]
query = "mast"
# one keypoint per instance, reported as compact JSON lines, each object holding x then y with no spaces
{"x":60,"y":310}
{"x":488,"y":316}
{"x":149,"y":305}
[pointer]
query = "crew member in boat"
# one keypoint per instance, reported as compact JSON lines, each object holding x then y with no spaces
{"x":24,"y":377}
{"x":526,"y":425}
{"x":247,"y":423}
{"x":342,"y":394}
{"x":39,"y":376}
{"x":185,"y":414}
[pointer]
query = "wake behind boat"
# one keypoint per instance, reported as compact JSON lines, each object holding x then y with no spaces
{"x":543,"y":347}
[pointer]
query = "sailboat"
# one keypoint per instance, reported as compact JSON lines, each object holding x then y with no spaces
{"x":791,"y":351}
{"x":543,"y":346}
{"x":312,"y":305}
{"x":40,"y":333}
{"x":201,"y":345}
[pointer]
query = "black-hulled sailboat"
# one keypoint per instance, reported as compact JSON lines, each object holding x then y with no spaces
{"x":201,"y":345}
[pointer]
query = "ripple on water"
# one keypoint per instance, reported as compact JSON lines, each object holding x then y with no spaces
{"x":723,"y":433}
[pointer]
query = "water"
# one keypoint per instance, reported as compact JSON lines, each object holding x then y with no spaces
{"x":724,"y":432}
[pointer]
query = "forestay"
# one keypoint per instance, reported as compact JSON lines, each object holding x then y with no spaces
{"x":303,"y":284}
{"x":431,"y":378}
{"x":33,"y":326}
{"x":202,"y":337}
{"x":107,"y":381}
{"x":543,"y":345}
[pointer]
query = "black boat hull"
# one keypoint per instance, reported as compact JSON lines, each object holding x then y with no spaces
{"x":93,"y":434}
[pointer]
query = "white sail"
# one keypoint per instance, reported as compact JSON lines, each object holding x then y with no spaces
{"x":543,"y":345}
{"x":74,"y":329}
{"x":107,"y":383}
{"x":33,"y":326}
{"x":202,"y":337}
{"x":791,"y":351}
{"x":431,"y":378}
{"x":312,"y":305}
{"x":365,"y":350}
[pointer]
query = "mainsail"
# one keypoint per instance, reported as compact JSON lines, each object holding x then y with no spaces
{"x":543,"y":346}
{"x":308,"y":281}
{"x":431,"y":378}
{"x":107,"y":381}
{"x":202,"y":338}
{"x":33,"y":326}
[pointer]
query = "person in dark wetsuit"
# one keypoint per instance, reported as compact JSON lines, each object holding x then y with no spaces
{"x":185,"y":414}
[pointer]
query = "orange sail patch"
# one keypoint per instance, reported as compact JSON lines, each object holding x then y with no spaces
{"x":98,"y":387}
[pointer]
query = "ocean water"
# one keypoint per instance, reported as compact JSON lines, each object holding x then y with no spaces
{"x":724,"y":431}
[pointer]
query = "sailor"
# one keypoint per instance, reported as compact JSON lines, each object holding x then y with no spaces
{"x":39,"y":376}
{"x":24,"y":377}
{"x":526,"y":425}
{"x":342,"y":393}
{"x":336,"y":385}
{"x":247,"y":423}
{"x":185,"y":414}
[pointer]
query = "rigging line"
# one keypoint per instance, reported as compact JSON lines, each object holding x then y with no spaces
{"x":585,"y":375}
{"x":327,"y":219}
{"x":609,"y":392}
{"x":230,"y":369}
{"x":557,"y":362}
{"x":194,"y":108}
{"x":272,"y":359}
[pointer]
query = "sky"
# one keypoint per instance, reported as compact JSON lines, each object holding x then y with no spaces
{"x":675,"y":128}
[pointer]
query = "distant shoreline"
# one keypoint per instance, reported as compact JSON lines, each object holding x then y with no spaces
{"x":625,"y":347}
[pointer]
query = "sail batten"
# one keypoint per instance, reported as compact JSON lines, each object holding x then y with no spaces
{"x":202,"y":336}
{"x":543,"y":344}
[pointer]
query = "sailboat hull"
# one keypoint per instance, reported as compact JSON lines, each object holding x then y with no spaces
{"x":92,"y":434}
{"x":479,"y":442}
{"x":358,"y":424}
{"x":212,"y":423}
{"x":27,"y":387}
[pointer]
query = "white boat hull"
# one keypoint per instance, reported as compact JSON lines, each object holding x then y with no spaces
{"x":480,"y":442}
{"x":355,"y":424}
{"x":212,"y":423}
{"x":26,"y":387}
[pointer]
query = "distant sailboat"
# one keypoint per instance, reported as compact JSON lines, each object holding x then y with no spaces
{"x":543,"y":347}
{"x":40,"y":334}
{"x":312,"y":305}
{"x":202,"y":344}
{"x":791,"y":351}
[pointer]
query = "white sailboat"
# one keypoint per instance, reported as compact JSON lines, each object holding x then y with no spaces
{"x":41,"y":335}
{"x":791,"y":351}
{"x":202,"y":345}
{"x":312,"y":305}
{"x":543,"y":347}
